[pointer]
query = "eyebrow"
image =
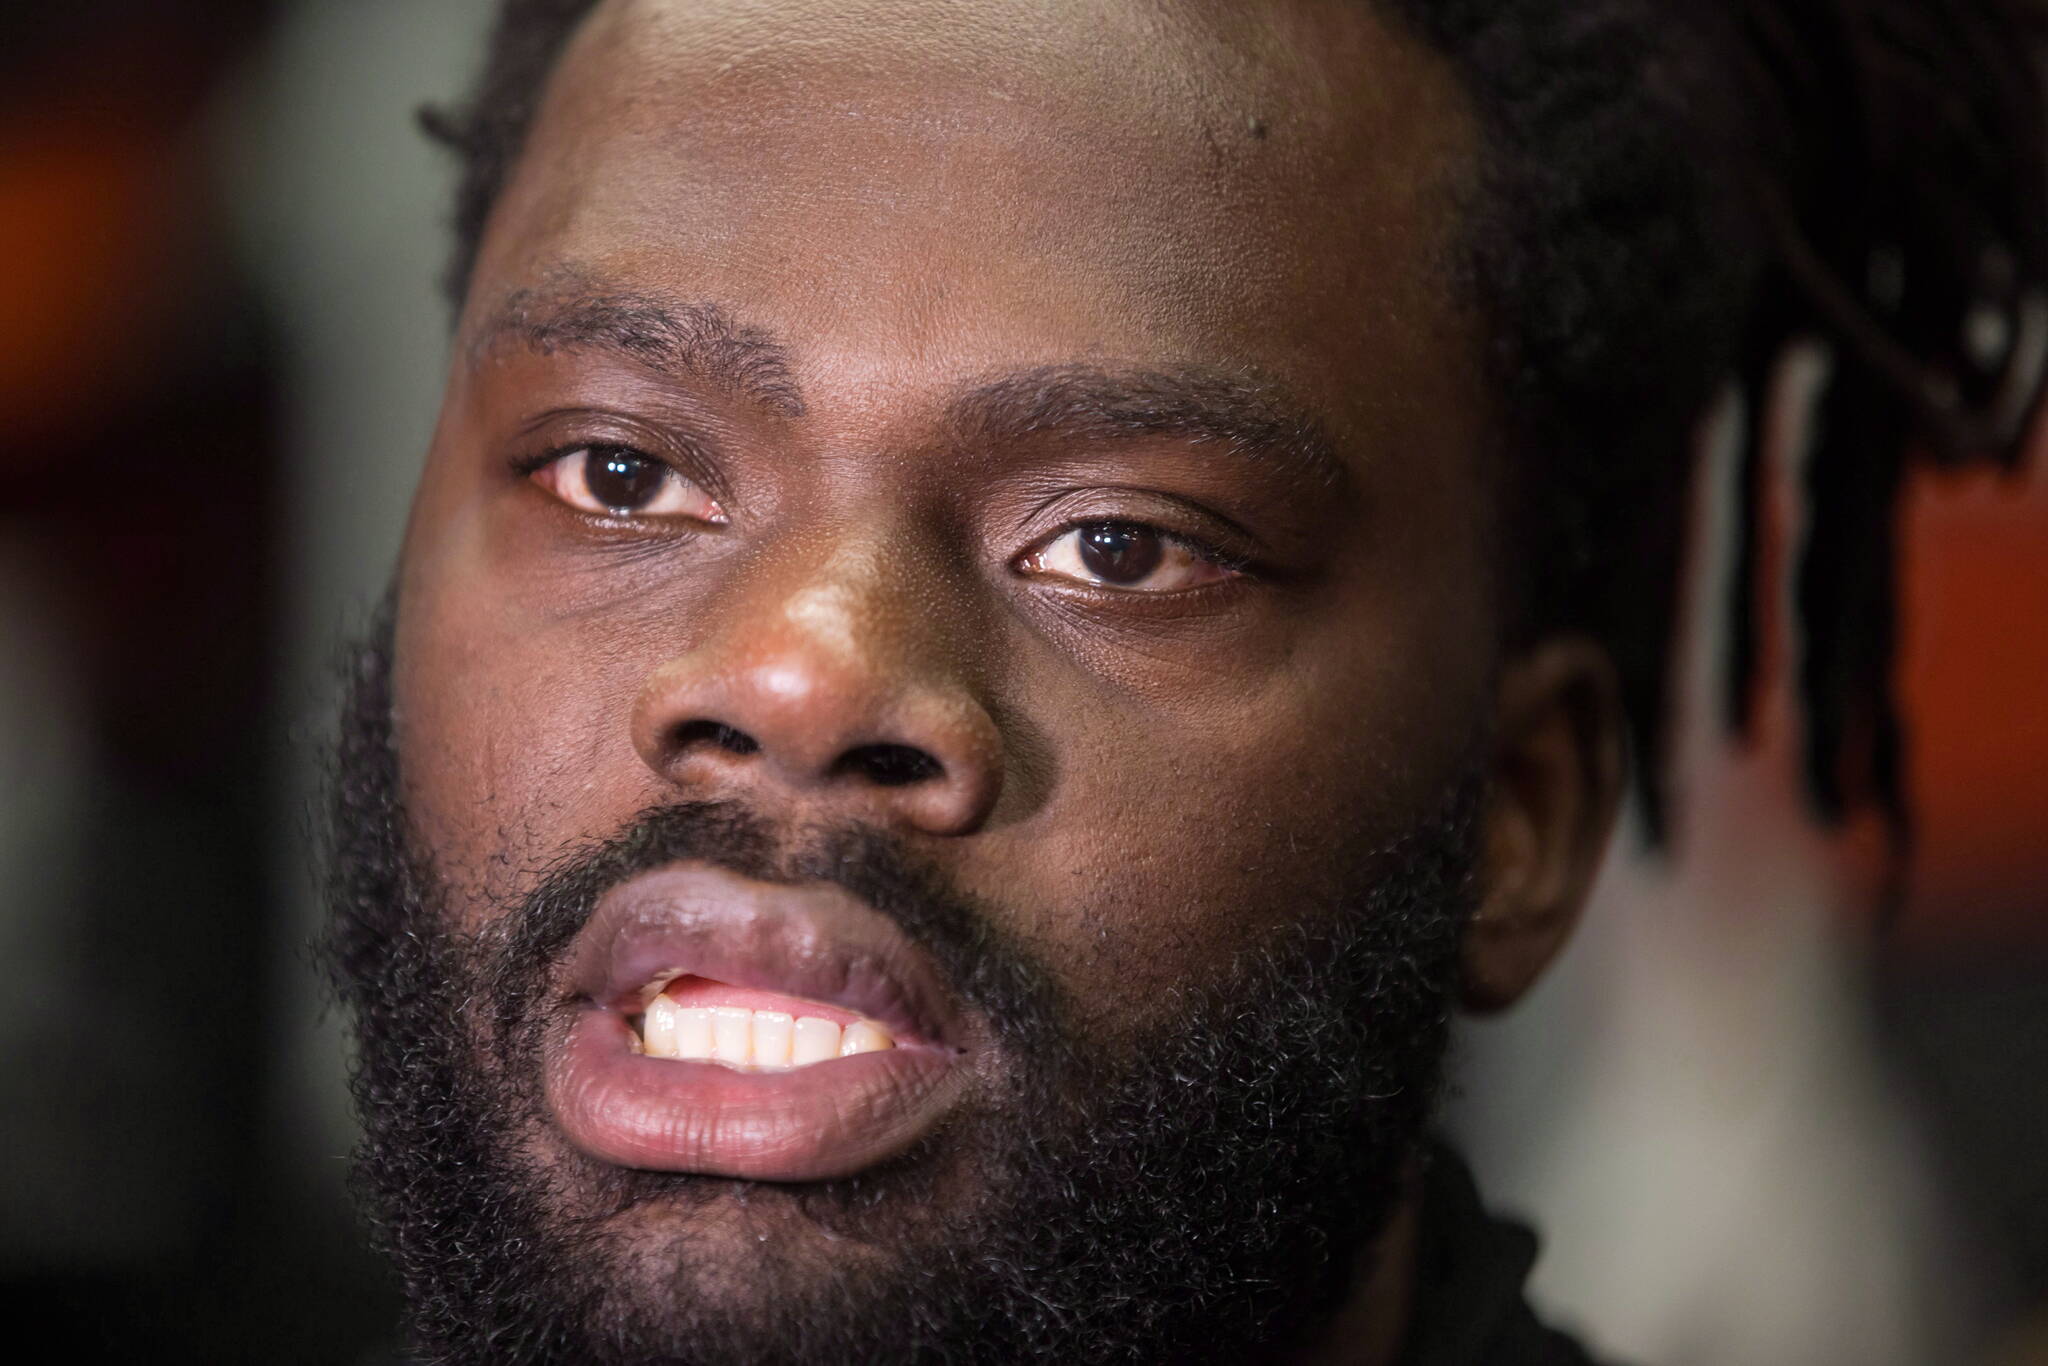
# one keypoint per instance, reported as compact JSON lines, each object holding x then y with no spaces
{"x":1236,"y":412}
{"x":1243,"y":415}
{"x":699,"y":339}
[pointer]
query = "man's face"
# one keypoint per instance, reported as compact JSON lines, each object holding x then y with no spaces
{"x":968,"y":524}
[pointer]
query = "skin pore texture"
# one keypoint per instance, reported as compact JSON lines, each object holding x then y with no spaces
{"x":891,"y":322}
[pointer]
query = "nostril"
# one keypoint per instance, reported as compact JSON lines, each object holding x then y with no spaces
{"x":889,"y":765}
{"x":716,"y":734}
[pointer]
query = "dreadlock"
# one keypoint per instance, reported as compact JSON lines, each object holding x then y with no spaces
{"x":1669,"y":197}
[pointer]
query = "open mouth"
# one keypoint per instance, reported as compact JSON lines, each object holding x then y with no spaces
{"x":694,"y":1019}
{"x":747,"y":1029}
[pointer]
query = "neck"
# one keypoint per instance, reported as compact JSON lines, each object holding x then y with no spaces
{"x":1371,"y":1326}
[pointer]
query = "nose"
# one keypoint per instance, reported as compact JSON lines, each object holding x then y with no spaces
{"x":833,"y":691}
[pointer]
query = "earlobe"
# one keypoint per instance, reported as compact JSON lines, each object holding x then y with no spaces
{"x":1554,"y":784}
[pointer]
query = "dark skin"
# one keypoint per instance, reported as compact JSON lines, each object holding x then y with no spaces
{"x":948,"y":270}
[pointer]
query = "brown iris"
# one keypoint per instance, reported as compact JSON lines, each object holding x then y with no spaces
{"x":620,"y":479}
{"x":1120,"y":552}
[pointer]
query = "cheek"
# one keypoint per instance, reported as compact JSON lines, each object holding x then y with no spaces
{"x":512,"y":731}
{"x":1173,"y":843}
{"x":513,"y":681}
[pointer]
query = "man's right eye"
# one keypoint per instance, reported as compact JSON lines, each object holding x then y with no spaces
{"x":618,"y":481}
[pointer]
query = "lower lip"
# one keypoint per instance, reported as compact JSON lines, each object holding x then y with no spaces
{"x":814,"y":1123}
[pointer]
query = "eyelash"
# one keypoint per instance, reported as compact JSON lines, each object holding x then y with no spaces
{"x":530,"y":466}
{"x":1234,"y":566}
{"x":1099,"y":581}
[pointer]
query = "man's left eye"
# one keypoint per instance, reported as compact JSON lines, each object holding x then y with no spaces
{"x":618,"y":481}
{"x":1124,"y":555}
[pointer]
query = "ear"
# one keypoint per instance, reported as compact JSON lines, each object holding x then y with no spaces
{"x":1554,"y":783}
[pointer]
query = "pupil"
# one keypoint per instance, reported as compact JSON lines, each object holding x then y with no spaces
{"x":1120,"y":552}
{"x":621,"y":480}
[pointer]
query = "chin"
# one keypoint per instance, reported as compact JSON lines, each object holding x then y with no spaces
{"x":741,"y":1252}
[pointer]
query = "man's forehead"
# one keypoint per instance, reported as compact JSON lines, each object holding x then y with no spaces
{"x":1198,"y":58}
{"x":1189,"y":183}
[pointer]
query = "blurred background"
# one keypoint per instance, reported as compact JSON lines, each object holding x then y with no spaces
{"x":1752,"y":1127}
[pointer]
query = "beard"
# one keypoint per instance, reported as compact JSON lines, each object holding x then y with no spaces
{"x":1199,"y":1194}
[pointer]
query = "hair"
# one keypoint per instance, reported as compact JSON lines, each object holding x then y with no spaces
{"x":1669,"y":197}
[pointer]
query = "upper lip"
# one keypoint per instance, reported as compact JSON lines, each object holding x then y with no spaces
{"x":808,"y":940}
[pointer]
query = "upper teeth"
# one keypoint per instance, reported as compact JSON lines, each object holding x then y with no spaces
{"x":752,"y":1038}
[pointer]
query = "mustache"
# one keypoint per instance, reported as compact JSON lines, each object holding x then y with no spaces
{"x":976,"y":958}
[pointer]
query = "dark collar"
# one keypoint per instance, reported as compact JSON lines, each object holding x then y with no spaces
{"x":1470,"y":1270}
